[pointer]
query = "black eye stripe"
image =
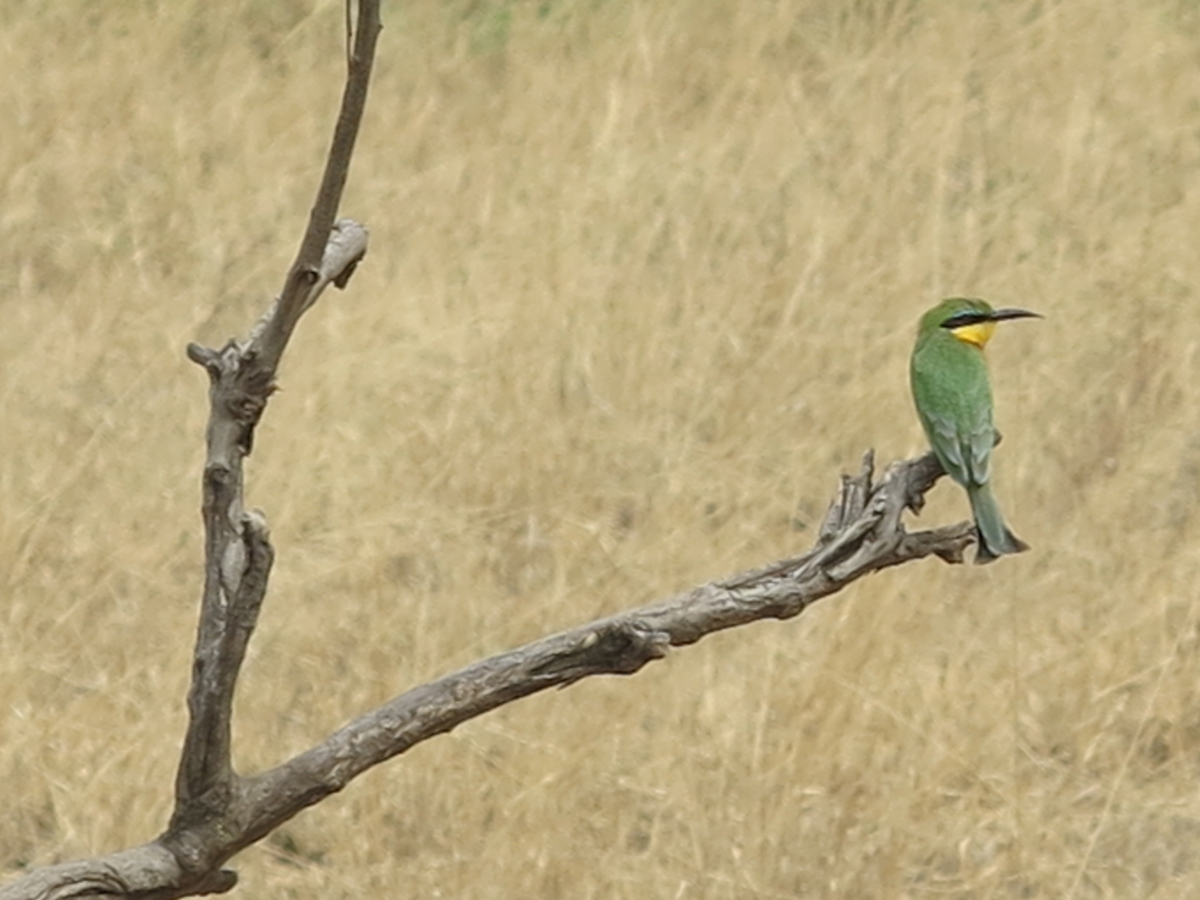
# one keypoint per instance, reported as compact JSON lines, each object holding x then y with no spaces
{"x":967,"y":317}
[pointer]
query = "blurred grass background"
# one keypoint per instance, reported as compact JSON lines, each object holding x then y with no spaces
{"x":643,"y":281}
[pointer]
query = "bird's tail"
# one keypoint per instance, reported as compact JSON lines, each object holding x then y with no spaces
{"x":994,"y":537}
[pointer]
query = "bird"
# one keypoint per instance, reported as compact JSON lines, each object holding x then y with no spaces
{"x":953,"y":396}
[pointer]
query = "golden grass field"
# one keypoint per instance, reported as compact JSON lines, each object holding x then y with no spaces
{"x":642,"y":283}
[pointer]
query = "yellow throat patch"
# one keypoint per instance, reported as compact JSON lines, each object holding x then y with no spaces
{"x":978,"y":334}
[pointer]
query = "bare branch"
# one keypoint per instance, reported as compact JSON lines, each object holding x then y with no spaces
{"x":862,"y":533}
{"x":869,"y":537}
{"x":238,"y":554}
{"x":293,"y":301}
{"x":218,"y":812}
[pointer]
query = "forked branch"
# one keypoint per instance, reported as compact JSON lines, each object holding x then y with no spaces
{"x":219,"y":812}
{"x":862,"y":533}
{"x":238,"y":555}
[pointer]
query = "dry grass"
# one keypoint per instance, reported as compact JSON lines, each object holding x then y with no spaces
{"x":642,"y":282}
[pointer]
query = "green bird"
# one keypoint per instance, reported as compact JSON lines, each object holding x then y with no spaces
{"x":954,"y":401}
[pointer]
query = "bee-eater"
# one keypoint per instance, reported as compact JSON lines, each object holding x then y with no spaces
{"x":954,"y":401}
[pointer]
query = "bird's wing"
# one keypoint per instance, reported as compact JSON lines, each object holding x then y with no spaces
{"x":978,"y":444}
{"x":981,"y":442}
{"x":948,"y":444}
{"x":965,"y":453}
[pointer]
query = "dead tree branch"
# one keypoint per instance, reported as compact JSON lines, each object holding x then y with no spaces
{"x":238,"y":554}
{"x":219,"y":812}
{"x":862,"y":533}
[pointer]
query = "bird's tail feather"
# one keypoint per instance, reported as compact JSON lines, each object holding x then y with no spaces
{"x":994,"y":537}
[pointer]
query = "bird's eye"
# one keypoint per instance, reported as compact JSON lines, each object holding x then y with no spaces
{"x":966,"y":317}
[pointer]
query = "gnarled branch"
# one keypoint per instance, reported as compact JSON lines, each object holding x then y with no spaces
{"x":238,"y":555}
{"x":862,"y":533}
{"x":219,"y":812}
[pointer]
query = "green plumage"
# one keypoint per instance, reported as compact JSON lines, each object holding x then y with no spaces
{"x":954,"y":402}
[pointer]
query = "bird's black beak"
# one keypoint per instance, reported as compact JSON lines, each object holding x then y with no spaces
{"x":1001,"y":314}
